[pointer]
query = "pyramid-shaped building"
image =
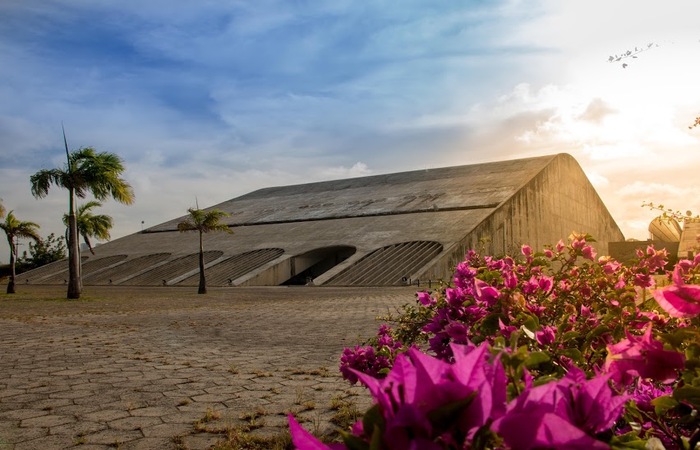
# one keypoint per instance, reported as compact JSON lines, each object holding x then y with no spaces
{"x":370,"y":231}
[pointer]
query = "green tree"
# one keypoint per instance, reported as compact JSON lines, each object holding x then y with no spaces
{"x":86,"y":171}
{"x":15,"y":229}
{"x":45,"y":251}
{"x":91,"y":225}
{"x":2,"y":209}
{"x":204,"y":222}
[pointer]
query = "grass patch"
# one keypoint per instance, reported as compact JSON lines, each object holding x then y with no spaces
{"x":240,"y":439}
{"x":346,"y":412}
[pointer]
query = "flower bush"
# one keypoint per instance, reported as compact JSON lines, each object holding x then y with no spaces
{"x":554,"y":349}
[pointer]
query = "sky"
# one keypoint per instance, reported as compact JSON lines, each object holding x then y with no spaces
{"x":205,"y":101}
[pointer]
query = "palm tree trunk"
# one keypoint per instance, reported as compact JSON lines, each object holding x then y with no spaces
{"x":73,"y":250}
{"x":11,"y":283}
{"x":202,"y":281}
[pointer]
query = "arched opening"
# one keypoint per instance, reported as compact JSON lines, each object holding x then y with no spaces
{"x":306,"y":267}
{"x":388,"y":266}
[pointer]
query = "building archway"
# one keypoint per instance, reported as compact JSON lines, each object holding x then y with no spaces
{"x":309,"y":265}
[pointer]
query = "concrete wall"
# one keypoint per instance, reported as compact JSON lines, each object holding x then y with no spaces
{"x":549,"y":207}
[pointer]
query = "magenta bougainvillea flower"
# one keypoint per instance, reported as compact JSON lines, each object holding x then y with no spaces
{"x":420,"y":386}
{"x":304,"y":440}
{"x":679,"y":299}
{"x":644,"y":357}
{"x":368,"y":360}
{"x":546,"y":335}
{"x":548,"y":313}
{"x":424,"y":400}
{"x":566,"y":414}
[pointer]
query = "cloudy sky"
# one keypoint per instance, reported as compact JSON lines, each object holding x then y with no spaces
{"x":212,"y":99}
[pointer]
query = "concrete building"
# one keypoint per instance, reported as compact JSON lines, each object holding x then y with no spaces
{"x":375,"y":230}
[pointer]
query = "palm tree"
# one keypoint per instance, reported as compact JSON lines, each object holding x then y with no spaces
{"x":2,"y":209}
{"x":91,"y":225}
{"x":86,"y":171}
{"x":15,"y":229}
{"x":204,"y":222}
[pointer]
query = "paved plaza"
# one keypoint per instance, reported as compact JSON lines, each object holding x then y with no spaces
{"x":165,"y":368}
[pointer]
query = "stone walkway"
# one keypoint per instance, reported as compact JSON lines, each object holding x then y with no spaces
{"x":164,"y":368}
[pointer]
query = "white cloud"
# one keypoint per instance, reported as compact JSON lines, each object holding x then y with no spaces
{"x":358,"y":169}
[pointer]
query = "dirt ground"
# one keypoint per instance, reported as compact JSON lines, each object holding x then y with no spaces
{"x":163,"y":367}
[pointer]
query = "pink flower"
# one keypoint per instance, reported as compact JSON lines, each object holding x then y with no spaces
{"x":610,"y":266}
{"x":526,"y":250}
{"x":506,"y":330}
{"x":486,"y":293}
{"x":643,"y":357}
{"x":414,"y":396}
{"x":303,"y":440}
{"x":657,"y":259}
{"x":546,"y":283}
{"x":545,"y":336}
{"x":560,"y":246}
{"x":363,"y":359}
{"x":510,"y":279}
{"x":425,"y":299}
{"x":679,"y":299}
{"x":643,"y":280}
{"x":454,"y":297}
{"x":566,"y":414}
{"x":588,"y":252}
{"x":620,"y":283}
{"x":578,"y":243}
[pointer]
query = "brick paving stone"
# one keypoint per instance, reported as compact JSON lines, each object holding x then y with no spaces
{"x":49,"y":420}
{"x":148,"y":443}
{"x":20,"y":414}
{"x":114,"y":438}
{"x":46,"y":442}
{"x":14,"y":434}
{"x":11,"y":392}
{"x":134,"y":423}
{"x":79,"y":428}
{"x":136,"y":367}
{"x":151,"y":411}
{"x":106,"y":415}
{"x":167,"y":429}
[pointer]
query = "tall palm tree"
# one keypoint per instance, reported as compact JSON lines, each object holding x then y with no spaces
{"x":15,"y":229}
{"x":86,"y":171}
{"x":204,"y":222}
{"x":91,"y":225}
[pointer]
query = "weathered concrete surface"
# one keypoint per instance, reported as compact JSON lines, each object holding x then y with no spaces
{"x":137,"y":368}
{"x":498,"y":206}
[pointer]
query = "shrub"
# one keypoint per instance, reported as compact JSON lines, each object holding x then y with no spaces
{"x":554,"y":349}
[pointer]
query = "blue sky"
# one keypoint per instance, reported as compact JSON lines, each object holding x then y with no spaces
{"x":213,"y":99}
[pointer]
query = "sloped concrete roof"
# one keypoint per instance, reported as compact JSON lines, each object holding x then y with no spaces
{"x":472,"y":187}
{"x":351,"y":231}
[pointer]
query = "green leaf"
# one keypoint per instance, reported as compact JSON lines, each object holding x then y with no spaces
{"x":573,"y":353}
{"x":536,"y":358}
{"x":663,"y":404}
{"x":628,"y":441}
{"x":597,"y":331}
{"x":689,"y":394}
{"x":373,"y":418}
{"x":490,"y":324}
{"x":570,"y":335}
{"x":376,"y":442}
{"x":531,"y":324}
{"x":680,"y":337}
{"x":448,"y":413}
{"x":353,"y":442}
